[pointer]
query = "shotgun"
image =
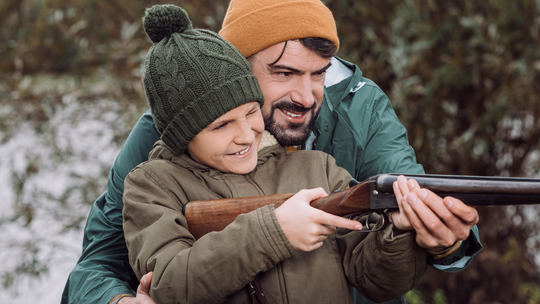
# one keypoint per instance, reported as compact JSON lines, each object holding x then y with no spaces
{"x":372,"y":195}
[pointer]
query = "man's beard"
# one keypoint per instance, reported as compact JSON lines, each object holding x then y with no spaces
{"x":293,"y":134}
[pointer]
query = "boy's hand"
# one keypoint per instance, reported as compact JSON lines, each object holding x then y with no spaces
{"x":402,"y":188}
{"x":439,"y":223}
{"x":307,"y":227}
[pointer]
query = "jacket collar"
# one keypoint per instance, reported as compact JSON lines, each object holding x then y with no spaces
{"x":337,"y":92}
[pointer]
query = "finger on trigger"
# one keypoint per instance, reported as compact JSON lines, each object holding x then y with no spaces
{"x":340,"y":222}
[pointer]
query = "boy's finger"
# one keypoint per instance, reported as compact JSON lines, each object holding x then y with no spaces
{"x":403,"y":186}
{"x":438,"y":221}
{"x":452,"y":225}
{"x":413,"y":185}
{"x":423,"y":235}
{"x":397,"y":192}
{"x":340,"y":222}
{"x":310,"y":194}
{"x":467,"y":214}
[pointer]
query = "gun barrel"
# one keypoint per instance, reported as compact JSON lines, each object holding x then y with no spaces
{"x":472,"y":190}
{"x":466,"y":184}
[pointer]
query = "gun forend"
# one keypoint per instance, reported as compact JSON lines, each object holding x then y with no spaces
{"x":472,"y":190}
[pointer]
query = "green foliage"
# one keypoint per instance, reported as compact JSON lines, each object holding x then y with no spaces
{"x":463,"y":76}
{"x":414,"y":297}
{"x":439,"y":297}
{"x":62,"y":36}
{"x":531,"y":291}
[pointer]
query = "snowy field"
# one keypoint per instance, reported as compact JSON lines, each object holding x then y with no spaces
{"x":54,"y":160}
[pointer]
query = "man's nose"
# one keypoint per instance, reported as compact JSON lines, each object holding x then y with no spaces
{"x":303,"y":92}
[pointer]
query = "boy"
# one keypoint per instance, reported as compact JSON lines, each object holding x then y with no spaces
{"x":206,"y":104}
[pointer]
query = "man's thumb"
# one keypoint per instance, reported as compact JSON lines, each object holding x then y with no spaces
{"x":146,"y":281}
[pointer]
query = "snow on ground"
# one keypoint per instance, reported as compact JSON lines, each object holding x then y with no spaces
{"x":59,"y":169}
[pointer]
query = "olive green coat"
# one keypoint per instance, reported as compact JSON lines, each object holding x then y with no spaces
{"x":217,"y":267}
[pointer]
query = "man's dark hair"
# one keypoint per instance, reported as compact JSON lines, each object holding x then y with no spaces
{"x":320,"y":46}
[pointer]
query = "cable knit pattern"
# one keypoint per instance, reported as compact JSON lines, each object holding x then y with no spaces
{"x":192,"y":76}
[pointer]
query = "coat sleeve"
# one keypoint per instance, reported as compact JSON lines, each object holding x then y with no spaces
{"x":208,"y":270}
{"x":103,"y":270}
{"x":380,"y":267}
{"x":387,"y":150}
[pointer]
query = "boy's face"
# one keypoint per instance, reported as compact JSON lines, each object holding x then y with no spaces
{"x":230,"y":143}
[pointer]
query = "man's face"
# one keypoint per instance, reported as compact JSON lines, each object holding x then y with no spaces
{"x":293,"y":89}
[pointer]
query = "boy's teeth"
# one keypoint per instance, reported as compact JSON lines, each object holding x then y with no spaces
{"x":242,"y":152}
{"x":291,"y":114}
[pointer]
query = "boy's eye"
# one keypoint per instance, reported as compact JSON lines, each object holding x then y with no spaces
{"x":253,"y":111}
{"x":220,"y":126}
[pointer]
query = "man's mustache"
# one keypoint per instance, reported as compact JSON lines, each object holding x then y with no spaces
{"x":289,"y":106}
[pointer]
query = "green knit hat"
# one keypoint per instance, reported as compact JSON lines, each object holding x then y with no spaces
{"x":192,"y":76}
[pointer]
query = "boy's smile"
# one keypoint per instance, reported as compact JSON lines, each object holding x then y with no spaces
{"x":230,"y":143}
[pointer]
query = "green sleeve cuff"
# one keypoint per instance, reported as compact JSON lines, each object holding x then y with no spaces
{"x":460,"y":259}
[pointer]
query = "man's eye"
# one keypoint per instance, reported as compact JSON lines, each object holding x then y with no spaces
{"x":320,"y":75}
{"x":286,"y":74}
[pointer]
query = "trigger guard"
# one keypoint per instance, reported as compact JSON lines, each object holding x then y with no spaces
{"x":382,"y":226}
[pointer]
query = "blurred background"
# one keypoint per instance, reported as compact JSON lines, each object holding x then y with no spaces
{"x":463,"y":76}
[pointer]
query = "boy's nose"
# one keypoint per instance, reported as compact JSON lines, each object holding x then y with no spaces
{"x":245,"y":134}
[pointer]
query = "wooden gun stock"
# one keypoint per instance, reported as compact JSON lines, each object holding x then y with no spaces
{"x":375,"y":193}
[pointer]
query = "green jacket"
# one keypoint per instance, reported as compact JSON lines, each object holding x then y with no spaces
{"x":345,"y":129}
{"x":217,"y":267}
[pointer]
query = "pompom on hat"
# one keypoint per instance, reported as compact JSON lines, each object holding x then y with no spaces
{"x":254,"y":25}
{"x":192,"y":76}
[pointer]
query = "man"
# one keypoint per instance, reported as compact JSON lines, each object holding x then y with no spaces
{"x":349,"y":118}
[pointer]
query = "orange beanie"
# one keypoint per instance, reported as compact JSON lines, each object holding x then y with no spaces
{"x":254,"y":25}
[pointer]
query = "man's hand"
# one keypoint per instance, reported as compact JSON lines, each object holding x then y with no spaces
{"x":143,"y":292}
{"x":439,"y":223}
{"x":307,"y":227}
